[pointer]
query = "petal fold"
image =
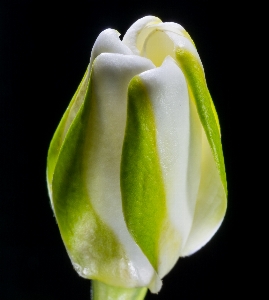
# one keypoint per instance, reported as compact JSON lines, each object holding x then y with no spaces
{"x":135,"y":36}
{"x":108,"y":42}
{"x":211,"y":202}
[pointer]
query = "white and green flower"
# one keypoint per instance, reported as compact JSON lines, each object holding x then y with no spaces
{"x":135,"y":172}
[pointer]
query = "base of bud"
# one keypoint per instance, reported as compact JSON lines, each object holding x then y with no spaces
{"x":102,"y":291}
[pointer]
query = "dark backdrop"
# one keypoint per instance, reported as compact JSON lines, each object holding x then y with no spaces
{"x":45,"y":48}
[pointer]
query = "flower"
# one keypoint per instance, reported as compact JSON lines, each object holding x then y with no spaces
{"x":135,"y":171}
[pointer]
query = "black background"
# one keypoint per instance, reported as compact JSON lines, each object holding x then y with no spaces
{"x":45,"y":48}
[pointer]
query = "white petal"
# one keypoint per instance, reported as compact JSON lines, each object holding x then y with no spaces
{"x":108,"y":42}
{"x":167,"y":90}
{"x":136,"y":34}
{"x":110,"y":78}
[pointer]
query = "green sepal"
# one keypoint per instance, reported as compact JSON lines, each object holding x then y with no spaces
{"x":199,"y":93}
{"x":142,"y":186}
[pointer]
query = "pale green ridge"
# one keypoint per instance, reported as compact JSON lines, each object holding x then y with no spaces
{"x":60,"y":133}
{"x":89,"y":242}
{"x":102,"y":291}
{"x":194,"y":74}
{"x":142,"y":186}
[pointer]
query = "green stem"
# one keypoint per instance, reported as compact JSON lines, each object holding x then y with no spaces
{"x":102,"y":291}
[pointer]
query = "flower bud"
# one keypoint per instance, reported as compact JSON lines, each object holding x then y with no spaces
{"x":135,"y":172}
